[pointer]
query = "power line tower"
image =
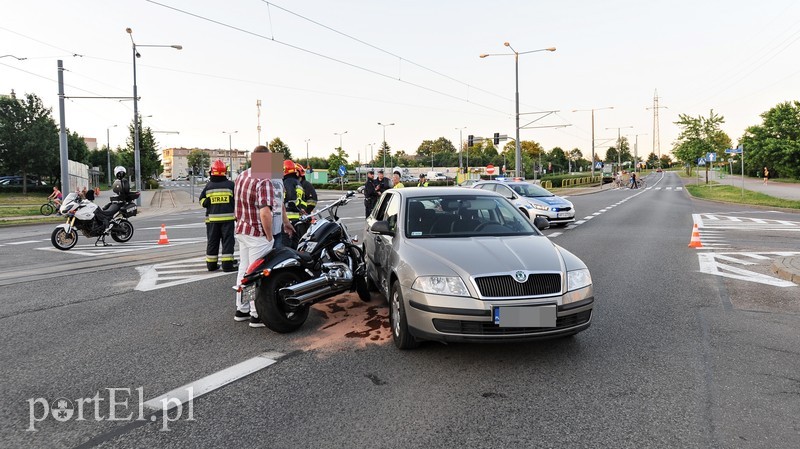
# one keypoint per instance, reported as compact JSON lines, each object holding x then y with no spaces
{"x":258,"y":107}
{"x":656,"y":137}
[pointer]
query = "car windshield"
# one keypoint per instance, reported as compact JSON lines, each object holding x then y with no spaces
{"x":464,"y":216}
{"x":530,"y":190}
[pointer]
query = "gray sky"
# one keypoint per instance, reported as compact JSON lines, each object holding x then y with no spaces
{"x":416,"y":65}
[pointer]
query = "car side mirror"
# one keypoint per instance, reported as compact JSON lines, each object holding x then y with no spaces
{"x":381,"y":227}
{"x":541,"y":223}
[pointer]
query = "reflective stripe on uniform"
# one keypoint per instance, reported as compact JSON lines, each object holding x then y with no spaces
{"x":211,"y":259}
{"x":213,"y":218}
{"x":226,"y":258}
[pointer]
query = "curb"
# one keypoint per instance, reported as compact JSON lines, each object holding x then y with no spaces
{"x":787,"y":268}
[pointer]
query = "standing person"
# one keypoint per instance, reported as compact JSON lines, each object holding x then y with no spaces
{"x":89,"y":194}
{"x":634,"y":185}
{"x":423,"y":181}
{"x":396,"y":180}
{"x":253,"y":199}
{"x":309,"y":192}
{"x":383,"y":183}
{"x":766,"y":175}
{"x":293,"y":197}
{"x":217,"y":198}
{"x":371,"y":189}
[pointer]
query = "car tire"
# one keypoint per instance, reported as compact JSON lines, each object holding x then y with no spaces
{"x":398,"y":322}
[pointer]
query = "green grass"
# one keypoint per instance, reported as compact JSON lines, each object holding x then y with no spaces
{"x":25,"y":221}
{"x":18,"y":198}
{"x":732,"y":194}
{"x":19,"y":211}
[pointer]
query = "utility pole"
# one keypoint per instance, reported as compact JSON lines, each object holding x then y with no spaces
{"x":62,"y":134}
{"x":619,"y":144}
{"x":258,"y":128}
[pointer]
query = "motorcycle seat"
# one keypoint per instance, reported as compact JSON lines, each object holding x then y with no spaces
{"x":109,"y":210}
{"x":282,"y":253}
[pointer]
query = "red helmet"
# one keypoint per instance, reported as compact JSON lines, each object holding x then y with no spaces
{"x":218,"y":168}
{"x":288,"y":167}
{"x":300,"y":170}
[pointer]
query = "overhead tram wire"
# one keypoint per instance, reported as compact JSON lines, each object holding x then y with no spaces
{"x":74,"y":54}
{"x":330,"y":58}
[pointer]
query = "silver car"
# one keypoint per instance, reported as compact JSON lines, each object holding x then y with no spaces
{"x":533,"y":200}
{"x":459,"y":264}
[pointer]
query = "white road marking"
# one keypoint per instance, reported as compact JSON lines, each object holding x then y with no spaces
{"x":182,"y":226}
{"x":555,"y":234}
{"x":709,"y":264}
{"x":168,"y":274}
{"x":117,"y":248}
{"x":24,"y":242}
{"x":190,"y":391}
{"x":678,"y":188}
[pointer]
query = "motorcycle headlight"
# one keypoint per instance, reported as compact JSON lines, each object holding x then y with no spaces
{"x":441,"y":285}
{"x":578,"y":279}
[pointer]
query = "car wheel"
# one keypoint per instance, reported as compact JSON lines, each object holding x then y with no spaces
{"x":398,"y":322}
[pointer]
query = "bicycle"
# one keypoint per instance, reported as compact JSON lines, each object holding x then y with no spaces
{"x":49,"y":208}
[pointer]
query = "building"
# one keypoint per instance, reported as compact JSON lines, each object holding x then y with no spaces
{"x":176,"y":162}
{"x":91,"y":143}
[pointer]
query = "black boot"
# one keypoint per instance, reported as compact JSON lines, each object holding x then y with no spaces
{"x":229,"y":266}
{"x":212,"y":266}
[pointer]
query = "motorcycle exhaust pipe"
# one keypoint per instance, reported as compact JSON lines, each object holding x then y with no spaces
{"x":315,"y":296}
{"x":305,"y":287}
{"x":308,"y":292}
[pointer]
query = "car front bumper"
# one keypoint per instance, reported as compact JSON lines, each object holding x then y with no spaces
{"x":470,"y":319}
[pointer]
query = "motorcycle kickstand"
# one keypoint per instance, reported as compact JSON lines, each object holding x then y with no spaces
{"x":103,"y":238}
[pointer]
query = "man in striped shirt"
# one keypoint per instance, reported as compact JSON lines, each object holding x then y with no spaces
{"x":254,"y":198}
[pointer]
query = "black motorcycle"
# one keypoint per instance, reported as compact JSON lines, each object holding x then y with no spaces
{"x":327,"y":262}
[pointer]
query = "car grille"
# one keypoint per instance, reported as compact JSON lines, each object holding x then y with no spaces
{"x":563,"y":209}
{"x":505,"y":285}
{"x":489,"y":328}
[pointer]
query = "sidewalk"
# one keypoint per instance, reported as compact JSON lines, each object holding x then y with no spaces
{"x":783,"y":190}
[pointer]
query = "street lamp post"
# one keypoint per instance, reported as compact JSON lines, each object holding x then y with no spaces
{"x":108,"y":152}
{"x":619,"y":144}
{"x":307,"y":140}
{"x":518,"y":162}
{"x":230,"y":148}
{"x":593,"y":109}
{"x":136,"y":158}
{"x":384,"y":142}
{"x":340,"y":139}
{"x":461,"y":149}
{"x":636,"y":151}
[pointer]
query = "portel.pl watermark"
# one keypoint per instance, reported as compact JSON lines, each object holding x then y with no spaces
{"x":119,"y":406}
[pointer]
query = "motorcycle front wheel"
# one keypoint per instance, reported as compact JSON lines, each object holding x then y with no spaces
{"x":122,"y":231}
{"x":271,"y":308}
{"x":64,"y":240}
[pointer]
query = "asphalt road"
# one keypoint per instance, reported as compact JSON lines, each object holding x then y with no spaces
{"x":688,"y":347}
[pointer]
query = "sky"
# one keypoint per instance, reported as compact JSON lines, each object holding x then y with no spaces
{"x":325,"y":67}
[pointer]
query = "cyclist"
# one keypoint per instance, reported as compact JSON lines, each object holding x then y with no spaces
{"x":56,"y":197}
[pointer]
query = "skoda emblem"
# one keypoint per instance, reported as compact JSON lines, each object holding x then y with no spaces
{"x":520,"y":276}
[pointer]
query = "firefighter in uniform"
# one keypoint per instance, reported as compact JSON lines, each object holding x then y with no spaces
{"x":217,"y":198}
{"x":309,"y":192}
{"x":293,"y":196}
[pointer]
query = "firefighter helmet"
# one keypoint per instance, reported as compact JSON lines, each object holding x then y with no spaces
{"x":218,"y":168}
{"x":288,"y":167}
{"x":300,"y":170}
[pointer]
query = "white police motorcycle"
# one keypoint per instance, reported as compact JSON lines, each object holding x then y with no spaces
{"x":85,"y":216}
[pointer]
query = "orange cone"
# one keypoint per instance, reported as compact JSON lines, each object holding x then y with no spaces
{"x":695,"y":242}
{"x":163,"y":240}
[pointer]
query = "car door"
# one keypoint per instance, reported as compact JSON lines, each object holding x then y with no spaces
{"x":384,"y":244}
{"x":371,"y":238}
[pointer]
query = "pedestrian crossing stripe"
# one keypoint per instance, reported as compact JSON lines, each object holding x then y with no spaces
{"x":723,"y":222}
{"x":711,"y":263}
{"x":118,"y":248}
{"x":170,"y":274}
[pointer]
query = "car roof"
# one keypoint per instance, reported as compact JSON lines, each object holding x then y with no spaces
{"x":413,"y":192}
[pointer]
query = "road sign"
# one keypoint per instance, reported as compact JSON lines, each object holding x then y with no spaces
{"x":342,"y":170}
{"x":711,"y":157}
{"x":490,"y":169}
{"x":598,"y":165}
{"x":701,"y":162}
{"x":734,"y":150}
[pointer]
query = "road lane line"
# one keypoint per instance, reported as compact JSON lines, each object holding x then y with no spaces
{"x":24,"y":242}
{"x":212,"y":382}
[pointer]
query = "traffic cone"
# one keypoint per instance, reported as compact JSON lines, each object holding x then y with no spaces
{"x":695,"y":242}
{"x":162,"y":239}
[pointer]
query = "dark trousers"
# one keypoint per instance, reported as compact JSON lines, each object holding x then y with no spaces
{"x":369,"y":204}
{"x":220,"y":231}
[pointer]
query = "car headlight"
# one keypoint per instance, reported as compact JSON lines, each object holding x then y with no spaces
{"x":441,"y":285}
{"x":578,"y":279}
{"x":540,"y":207}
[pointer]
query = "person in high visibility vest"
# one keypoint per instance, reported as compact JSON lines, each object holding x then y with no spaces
{"x":309,"y":192}
{"x":292,"y":195}
{"x":217,"y":198}
{"x":423,"y":181}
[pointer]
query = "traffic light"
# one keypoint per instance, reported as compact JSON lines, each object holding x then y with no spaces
{"x":497,"y":138}
{"x":470,"y":140}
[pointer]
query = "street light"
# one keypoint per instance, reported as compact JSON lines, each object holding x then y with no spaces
{"x":384,"y":142}
{"x":307,"y":140}
{"x":636,"y":151}
{"x":593,"y":109}
{"x":461,"y":150}
{"x":340,"y":138}
{"x":136,"y":159}
{"x":108,"y":152}
{"x":230,"y":149}
{"x":619,"y":144}
{"x":518,"y":162}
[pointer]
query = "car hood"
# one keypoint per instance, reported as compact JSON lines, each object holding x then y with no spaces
{"x":478,"y":256}
{"x":550,"y":200}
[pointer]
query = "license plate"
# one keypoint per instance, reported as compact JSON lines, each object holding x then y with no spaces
{"x":564,"y":215}
{"x":248,"y":293}
{"x":525,"y":316}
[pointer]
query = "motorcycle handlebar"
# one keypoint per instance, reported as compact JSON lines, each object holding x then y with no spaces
{"x":344,"y":199}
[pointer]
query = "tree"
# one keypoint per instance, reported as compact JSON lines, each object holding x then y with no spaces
{"x":200,"y":159}
{"x":384,"y":153}
{"x":652,"y":160}
{"x":28,"y":137}
{"x":277,"y":146}
{"x":442,"y":150}
{"x":336,"y":159}
{"x":776,"y":142}
{"x":665,"y":160}
{"x":149,"y":160}
{"x":318,"y":163}
{"x":558,"y":158}
{"x":77,"y":149}
{"x":699,"y":136}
